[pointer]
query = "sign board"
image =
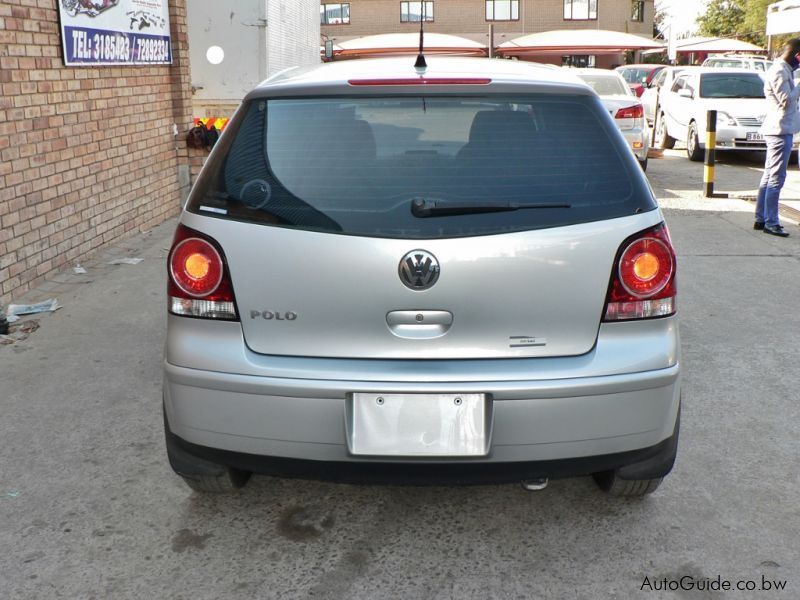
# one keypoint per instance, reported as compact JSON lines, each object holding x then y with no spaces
{"x":783,"y":17}
{"x":115,"y":32}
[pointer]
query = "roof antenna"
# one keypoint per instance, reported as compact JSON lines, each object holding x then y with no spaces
{"x":421,"y":65}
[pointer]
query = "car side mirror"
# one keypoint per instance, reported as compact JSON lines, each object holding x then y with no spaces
{"x":684,"y":93}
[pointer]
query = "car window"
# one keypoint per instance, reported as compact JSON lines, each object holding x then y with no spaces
{"x":731,"y":85}
{"x":659,"y":80}
{"x":355,"y":165}
{"x":633,"y":75}
{"x":604,"y":85}
{"x":679,"y":84}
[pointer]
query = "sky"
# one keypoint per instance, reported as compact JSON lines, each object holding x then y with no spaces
{"x":684,"y":12}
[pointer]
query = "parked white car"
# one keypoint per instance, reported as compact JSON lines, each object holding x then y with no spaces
{"x":736,"y":94}
{"x":754,"y":62}
{"x":623,"y":105}
{"x":663,"y":80}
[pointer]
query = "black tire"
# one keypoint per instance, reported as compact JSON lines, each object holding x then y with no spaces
{"x":200,"y":474}
{"x":643,"y":164}
{"x":663,"y":139}
{"x":612,"y":484}
{"x":643,"y":478}
{"x":693,"y":149}
{"x":227,"y":481}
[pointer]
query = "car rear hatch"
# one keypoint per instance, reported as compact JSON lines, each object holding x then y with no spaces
{"x":421,"y":226}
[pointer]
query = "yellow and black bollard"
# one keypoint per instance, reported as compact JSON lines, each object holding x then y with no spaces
{"x":711,"y":156}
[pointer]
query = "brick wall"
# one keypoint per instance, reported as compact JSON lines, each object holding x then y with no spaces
{"x":87,"y":154}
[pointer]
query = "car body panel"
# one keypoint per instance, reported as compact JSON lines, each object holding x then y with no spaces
{"x":662,"y":81}
{"x":548,"y":285}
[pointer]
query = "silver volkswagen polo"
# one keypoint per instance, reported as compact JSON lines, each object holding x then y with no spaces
{"x":454,"y":274}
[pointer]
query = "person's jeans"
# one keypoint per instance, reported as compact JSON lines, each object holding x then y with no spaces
{"x":779,"y":149}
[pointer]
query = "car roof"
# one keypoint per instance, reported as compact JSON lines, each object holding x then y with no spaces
{"x":641,"y":66}
{"x":742,"y":56}
{"x":338,"y":73}
{"x":703,"y":70}
{"x":601,"y":72}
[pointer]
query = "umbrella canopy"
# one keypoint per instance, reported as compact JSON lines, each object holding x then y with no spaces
{"x":408,"y":43}
{"x":582,"y":41}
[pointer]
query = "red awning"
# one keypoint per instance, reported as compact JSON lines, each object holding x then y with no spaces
{"x":576,"y":41}
{"x":389,"y":44}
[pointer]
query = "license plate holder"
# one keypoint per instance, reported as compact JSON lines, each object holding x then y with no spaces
{"x":418,"y":425}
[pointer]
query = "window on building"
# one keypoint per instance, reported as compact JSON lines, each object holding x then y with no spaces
{"x":502,"y":10}
{"x":637,"y":11}
{"x":580,"y":10}
{"x":334,"y":14}
{"x":582,"y":61}
{"x":412,"y":12}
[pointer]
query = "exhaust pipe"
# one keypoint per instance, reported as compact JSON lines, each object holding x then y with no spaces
{"x":535,"y":485}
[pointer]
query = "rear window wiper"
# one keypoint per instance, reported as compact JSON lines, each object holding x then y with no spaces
{"x":437,"y":208}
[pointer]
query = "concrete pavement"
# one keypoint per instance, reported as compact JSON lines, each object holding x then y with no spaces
{"x":90,"y":509}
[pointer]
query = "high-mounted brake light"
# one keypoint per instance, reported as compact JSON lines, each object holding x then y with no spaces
{"x":643,"y":280}
{"x":199,"y":282}
{"x":631,"y":112}
{"x":423,"y":81}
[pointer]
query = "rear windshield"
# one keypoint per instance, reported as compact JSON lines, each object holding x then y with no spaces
{"x":357,"y":166}
{"x":605,"y":85}
{"x":731,"y":85}
{"x":634,"y":75}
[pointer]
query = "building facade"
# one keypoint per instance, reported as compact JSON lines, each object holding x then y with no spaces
{"x":235,"y":45}
{"x":476,"y":19}
{"x":88,"y":154}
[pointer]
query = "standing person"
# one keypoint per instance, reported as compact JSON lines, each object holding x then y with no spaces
{"x":780,"y":124}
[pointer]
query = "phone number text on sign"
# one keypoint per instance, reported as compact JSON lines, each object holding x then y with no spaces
{"x":90,"y":46}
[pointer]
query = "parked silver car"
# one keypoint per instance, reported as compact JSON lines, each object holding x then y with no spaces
{"x":451,"y":274}
{"x":624,"y":107}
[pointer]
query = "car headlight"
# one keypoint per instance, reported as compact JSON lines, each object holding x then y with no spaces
{"x":726,"y":119}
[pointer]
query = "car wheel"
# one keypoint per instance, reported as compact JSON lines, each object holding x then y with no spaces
{"x":643,"y":164}
{"x":228,"y":480}
{"x":664,"y":141}
{"x":200,"y":474}
{"x":643,"y":478}
{"x":611,"y":483}
{"x":693,"y":149}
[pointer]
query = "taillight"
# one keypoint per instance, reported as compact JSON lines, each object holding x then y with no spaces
{"x":199,"y":282}
{"x":643,"y":280}
{"x":631,"y":112}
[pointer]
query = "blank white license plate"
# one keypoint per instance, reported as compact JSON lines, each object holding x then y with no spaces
{"x":754,"y":137}
{"x":418,"y":425}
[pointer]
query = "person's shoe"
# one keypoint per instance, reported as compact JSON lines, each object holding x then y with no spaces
{"x":776,"y":230}
{"x":758,"y":225}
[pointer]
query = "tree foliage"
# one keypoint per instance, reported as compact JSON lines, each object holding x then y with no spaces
{"x":723,"y":18}
{"x":743,"y":19}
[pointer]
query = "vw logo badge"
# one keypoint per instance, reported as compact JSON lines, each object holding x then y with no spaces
{"x":419,"y":270}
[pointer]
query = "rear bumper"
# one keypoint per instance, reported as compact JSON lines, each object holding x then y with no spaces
{"x":735,"y":138}
{"x":645,"y":463}
{"x":637,"y":136}
{"x":542,"y":410}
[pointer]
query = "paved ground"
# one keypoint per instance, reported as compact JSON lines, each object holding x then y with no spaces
{"x":90,"y":509}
